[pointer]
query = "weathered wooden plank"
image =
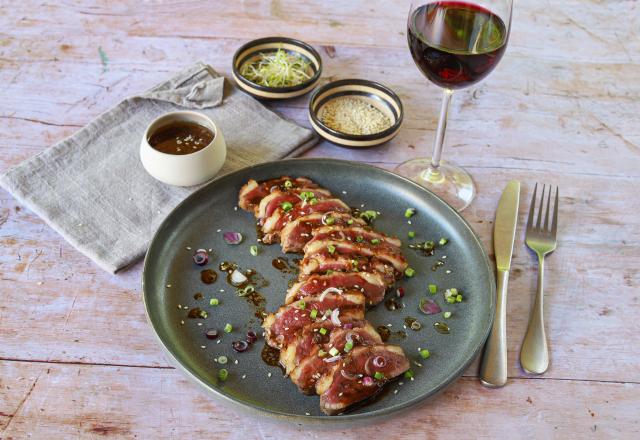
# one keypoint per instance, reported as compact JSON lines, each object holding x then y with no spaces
{"x":75,"y":401}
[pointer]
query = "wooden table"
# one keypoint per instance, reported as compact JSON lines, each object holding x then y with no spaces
{"x":77,"y":357}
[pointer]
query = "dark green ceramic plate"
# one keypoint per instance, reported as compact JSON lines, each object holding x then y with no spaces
{"x":170,"y":279}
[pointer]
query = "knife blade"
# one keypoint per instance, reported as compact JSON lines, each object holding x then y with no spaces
{"x":493,"y":370}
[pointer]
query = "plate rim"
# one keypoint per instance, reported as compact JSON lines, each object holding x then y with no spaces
{"x":322,"y":419}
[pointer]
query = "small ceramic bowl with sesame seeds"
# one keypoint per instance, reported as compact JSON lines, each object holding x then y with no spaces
{"x":275,"y":68}
{"x":355,"y":113}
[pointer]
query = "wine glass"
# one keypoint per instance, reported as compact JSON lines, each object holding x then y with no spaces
{"x":455,"y":44}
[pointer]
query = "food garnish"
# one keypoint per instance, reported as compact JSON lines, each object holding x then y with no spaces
{"x":231,"y":237}
{"x":429,"y":307}
{"x":201,"y":257}
{"x":278,"y":69}
{"x":228,"y":328}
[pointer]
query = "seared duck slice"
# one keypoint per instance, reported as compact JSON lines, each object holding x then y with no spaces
{"x":272,"y":225}
{"x":319,"y":357}
{"x":252,"y":192}
{"x":355,"y":233}
{"x":371,"y":284}
{"x":295,"y":196}
{"x":359,"y":375}
{"x":283,"y":326}
{"x":322,"y":262}
{"x":297,"y":233}
{"x":382,"y":252}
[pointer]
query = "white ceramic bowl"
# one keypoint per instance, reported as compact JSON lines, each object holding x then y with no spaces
{"x":187,"y":169}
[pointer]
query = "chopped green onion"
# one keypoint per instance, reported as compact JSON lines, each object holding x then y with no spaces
{"x":334,"y":351}
{"x":408,"y":374}
{"x":228,"y":328}
{"x":424,"y":353}
{"x":222,"y":360}
{"x":314,"y":313}
{"x":286,"y":206}
{"x":253,"y":250}
{"x":369,"y":215}
{"x":443,"y":241}
{"x":411,"y":234}
{"x":446,"y":315}
{"x":329,"y":220}
{"x":214,"y":302}
{"x":288,"y":184}
{"x":348,"y":346}
{"x":409,"y":272}
{"x":359,"y":239}
{"x":322,"y":331}
{"x":379,"y":375}
{"x":409,"y":212}
{"x":433,"y":289}
{"x":328,"y":272}
{"x":375,"y":241}
{"x":451,"y":300}
{"x":302,"y":305}
{"x":313,"y":201}
{"x":278,"y":69}
{"x":331,"y":248}
{"x":350,"y":221}
{"x":322,"y":353}
{"x":306,"y":195}
{"x":458,"y":298}
{"x":223,"y":374}
{"x":203,"y":314}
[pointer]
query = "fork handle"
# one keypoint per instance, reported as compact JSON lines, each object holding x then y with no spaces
{"x":493,"y":370}
{"x":534,"y":354}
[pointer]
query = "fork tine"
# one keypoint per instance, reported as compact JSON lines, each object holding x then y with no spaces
{"x":546,"y":214}
{"x":540,"y":208}
{"x":532,"y":208}
{"x":554,"y":223}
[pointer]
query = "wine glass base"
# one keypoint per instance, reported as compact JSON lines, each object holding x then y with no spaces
{"x":451,"y":183}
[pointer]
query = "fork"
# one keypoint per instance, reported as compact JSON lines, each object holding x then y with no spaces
{"x":540,"y":238}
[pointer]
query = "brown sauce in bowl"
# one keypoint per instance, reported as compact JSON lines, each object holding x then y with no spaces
{"x":181,"y":138}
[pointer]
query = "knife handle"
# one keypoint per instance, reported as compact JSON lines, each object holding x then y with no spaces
{"x":493,"y":370}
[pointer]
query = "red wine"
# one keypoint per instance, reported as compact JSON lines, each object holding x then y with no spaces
{"x":455,"y":44}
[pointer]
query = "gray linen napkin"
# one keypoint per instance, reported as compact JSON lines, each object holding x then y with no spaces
{"x":92,"y":189}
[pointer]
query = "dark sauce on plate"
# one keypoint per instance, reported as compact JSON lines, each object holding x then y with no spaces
{"x":208,"y":276}
{"x":412,"y":323}
{"x":198,"y":296}
{"x":386,"y":334}
{"x":181,"y":138}
{"x":271,"y":357}
{"x":393,"y":304}
{"x":197,"y":313}
{"x":441,"y":327}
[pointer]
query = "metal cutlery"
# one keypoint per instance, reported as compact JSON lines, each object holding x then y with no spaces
{"x":540,"y":238}
{"x":493,"y":370}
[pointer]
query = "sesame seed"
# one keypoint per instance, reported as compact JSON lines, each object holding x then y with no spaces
{"x":199,"y":324}
{"x":39,"y":283}
{"x":244,"y":376}
{"x":444,"y":257}
{"x":188,"y":248}
{"x":400,"y":383}
{"x":307,"y":413}
{"x":409,"y":222}
{"x":182,"y":322}
{"x":236,"y":362}
{"x":269,"y":374}
{"x":235,"y":208}
{"x":219,"y":230}
{"x":218,"y":341}
{"x":447,"y":271}
{"x":203,"y":346}
{"x":395,"y":391}
{"x":179,"y":306}
{"x":168,"y":285}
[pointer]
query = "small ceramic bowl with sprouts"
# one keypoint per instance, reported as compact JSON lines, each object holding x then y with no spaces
{"x":276,"y":68}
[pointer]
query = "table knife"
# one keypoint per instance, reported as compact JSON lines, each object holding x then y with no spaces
{"x":493,"y":370}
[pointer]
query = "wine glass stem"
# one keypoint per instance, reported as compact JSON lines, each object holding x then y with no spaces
{"x":433,"y":173}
